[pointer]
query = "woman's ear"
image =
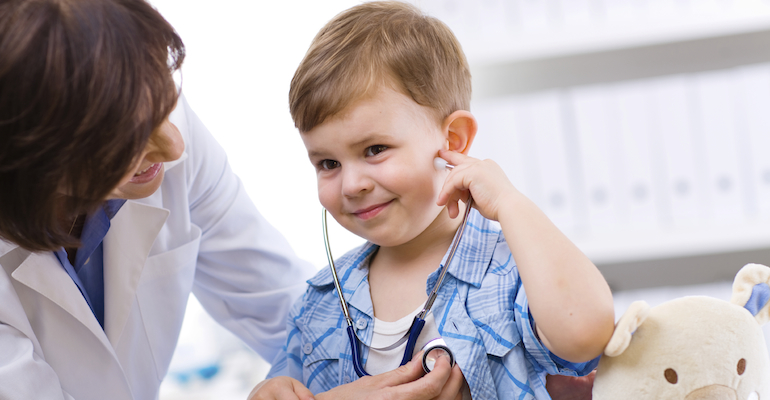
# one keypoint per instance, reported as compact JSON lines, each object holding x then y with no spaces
{"x":460,"y":129}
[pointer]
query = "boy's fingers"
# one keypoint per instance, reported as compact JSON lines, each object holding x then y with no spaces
{"x":452,"y":157}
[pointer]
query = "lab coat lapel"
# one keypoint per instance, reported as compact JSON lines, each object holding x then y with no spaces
{"x":126,"y":247}
{"x":43,"y":273}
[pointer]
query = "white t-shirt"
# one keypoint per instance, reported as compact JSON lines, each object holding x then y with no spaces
{"x":388,"y":333}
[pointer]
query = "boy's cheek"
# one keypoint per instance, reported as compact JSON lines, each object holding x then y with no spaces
{"x":326,"y":195}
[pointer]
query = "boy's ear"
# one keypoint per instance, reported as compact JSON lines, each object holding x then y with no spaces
{"x":460,"y":129}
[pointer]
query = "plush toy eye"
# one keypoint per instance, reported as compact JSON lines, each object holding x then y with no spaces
{"x":741,"y":366}
{"x":670,"y":375}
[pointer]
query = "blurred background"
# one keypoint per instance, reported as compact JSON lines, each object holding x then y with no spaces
{"x":641,"y":127}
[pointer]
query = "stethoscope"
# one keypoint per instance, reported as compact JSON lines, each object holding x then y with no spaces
{"x":435,"y":348}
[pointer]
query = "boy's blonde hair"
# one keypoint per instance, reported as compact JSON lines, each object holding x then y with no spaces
{"x":383,"y":42}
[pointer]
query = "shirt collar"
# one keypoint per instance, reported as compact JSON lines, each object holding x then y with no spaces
{"x":95,"y":228}
{"x":350,"y":269}
{"x":474,"y":250}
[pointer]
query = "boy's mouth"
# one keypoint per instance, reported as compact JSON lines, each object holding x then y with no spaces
{"x":372,"y":211}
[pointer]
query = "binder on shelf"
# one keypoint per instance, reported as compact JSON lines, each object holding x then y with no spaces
{"x":540,"y":122}
{"x":499,"y":140}
{"x":577,"y":13}
{"x":620,"y":12}
{"x":637,"y":191}
{"x":597,"y":154}
{"x":682,"y":189}
{"x":754,"y":102}
{"x":534,"y":16}
{"x":715,"y":120}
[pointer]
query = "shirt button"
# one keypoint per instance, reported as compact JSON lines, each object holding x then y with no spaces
{"x":347,"y":379}
{"x":361,"y":323}
{"x":307,"y":348}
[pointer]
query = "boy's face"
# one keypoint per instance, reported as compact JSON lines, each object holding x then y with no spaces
{"x":374,"y":164}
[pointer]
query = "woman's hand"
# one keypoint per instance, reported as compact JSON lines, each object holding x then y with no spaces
{"x":483,"y":179}
{"x":280,"y":388}
{"x":404,"y":383}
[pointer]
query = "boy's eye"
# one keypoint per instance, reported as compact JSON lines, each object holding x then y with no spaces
{"x":374,"y":150}
{"x":328,"y":164}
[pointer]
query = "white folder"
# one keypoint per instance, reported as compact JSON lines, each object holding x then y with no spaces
{"x":598,"y":155}
{"x":714,"y":100}
{"x":540,"y":121}
{"x":683,"y":183}
{"x":499,"y":140}
{"x":638,"y":192}
{"x":754,"y":102}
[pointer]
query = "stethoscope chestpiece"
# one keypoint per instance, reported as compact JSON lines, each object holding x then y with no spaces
{"x":432,"y":351}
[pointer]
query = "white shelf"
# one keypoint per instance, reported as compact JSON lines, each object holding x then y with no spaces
{"x":631,"y":246}
{"x":660,"y":168}
{"x":505,"y":31}
{"x":567,"y":42}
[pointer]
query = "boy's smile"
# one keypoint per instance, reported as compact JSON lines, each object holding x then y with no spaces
{"x":374,"y":164}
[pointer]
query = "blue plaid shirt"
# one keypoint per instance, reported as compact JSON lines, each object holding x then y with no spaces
{"x":481,"y":312}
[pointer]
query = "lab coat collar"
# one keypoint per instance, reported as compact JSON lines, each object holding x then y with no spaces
{"x":42,"y":273}
{"x":126,"y":248}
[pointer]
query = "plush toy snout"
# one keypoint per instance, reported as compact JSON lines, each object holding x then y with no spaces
{"x":692,"y":348}
{"x":713,"y":392}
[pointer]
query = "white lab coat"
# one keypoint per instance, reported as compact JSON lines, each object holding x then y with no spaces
{"x":199,"y":232}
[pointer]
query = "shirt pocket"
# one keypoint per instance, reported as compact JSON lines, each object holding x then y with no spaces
{"x":498,"y":332}
{"x":320,"y":352}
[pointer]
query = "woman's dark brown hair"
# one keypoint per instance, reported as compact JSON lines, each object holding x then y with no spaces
{"x":83,"y":83}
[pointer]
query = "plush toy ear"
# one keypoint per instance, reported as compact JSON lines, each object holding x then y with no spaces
{"x":751,"y":289}
{"x":626,"y":326}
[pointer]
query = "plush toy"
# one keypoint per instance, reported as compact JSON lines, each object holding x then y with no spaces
{"x":692,"y":348}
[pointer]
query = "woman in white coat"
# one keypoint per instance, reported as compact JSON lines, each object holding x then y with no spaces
{"x":85,"y":97}
{"x":115,"y":204}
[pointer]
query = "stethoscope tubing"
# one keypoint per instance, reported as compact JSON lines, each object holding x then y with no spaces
{"x":419,"y":320}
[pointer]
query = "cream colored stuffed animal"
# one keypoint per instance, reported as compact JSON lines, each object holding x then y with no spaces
{"x":692,"y":348}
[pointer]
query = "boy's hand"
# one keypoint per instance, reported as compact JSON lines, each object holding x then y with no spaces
{"x":484,"y":180}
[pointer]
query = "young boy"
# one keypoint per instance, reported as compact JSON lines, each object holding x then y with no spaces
{"x":381,"y":92}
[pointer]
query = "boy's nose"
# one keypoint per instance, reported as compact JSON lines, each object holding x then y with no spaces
{"x":355,"y":181}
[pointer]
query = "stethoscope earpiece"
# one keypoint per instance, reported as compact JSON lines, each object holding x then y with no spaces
{"x":441,"y":164}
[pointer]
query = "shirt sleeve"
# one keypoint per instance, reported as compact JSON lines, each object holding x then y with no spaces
{"x":247,"y":276}
{"x":539,"y":355}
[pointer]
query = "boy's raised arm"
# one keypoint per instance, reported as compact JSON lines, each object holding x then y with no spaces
{"x":568,"y":297}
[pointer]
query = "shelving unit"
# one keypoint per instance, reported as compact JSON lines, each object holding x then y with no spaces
{"x":581,"y":102}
